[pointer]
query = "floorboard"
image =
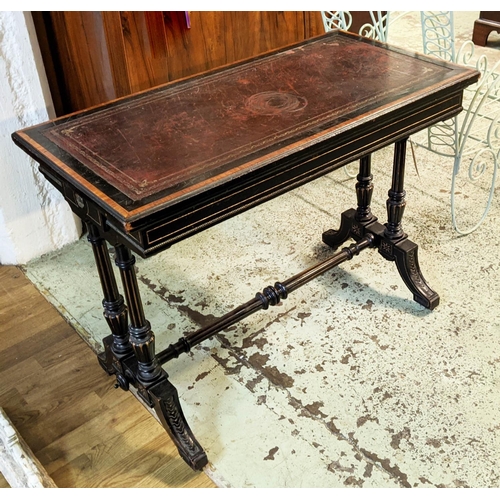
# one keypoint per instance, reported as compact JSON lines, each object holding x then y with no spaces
{"x":85,"y":433}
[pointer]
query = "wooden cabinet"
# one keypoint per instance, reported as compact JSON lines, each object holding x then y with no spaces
{"x":94,"y":57}
{"x":487,"y":22}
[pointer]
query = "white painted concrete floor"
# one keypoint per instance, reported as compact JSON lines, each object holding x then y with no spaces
{"x":349,"y":382}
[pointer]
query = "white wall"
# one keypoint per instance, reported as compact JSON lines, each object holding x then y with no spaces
{"x":34,"y":218}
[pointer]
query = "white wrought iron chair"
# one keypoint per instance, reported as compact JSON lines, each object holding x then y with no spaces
{"x":473,"y":137}
{"x":377,"y":29}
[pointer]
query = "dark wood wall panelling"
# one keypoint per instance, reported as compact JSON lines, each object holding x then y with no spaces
{"x":94,"y":57}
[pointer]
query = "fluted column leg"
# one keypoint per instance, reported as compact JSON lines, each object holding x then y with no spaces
{"x":139,"y":330}
{"x":115,"y":310}
{"x":394,"y":245}
{"x":150,"y":380}
{"x":396,"y":202}
{"x":364,"y":190}
{"x":352,"y":221}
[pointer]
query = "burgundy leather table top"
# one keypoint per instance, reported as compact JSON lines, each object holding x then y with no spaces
{"x":199,"y":129}
{"x":144,"y":153}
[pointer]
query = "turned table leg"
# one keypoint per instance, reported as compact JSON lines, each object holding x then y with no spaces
{"x":129,"y":352}
{"x":395,"y":245}
{"x":364,"y":190}
{"x":396,"y":202}
{"x":141,"y":337}
{"x":117,"y":346}
{"x":363,"y":214}
{"x":390,"y":239}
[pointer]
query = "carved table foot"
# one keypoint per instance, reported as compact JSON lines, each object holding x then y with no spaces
{"x":168,"y":408}
{"x":390,"y":239}
{"x":334,"y":238}
{"x":129,"y":352}
{"x":405,"y":253}
{"x":161,"y":395}
{"x":402,"y":251}
{"x":105,"y":358}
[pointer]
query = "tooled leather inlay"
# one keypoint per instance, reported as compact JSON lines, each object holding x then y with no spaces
{"x":177,"y":137}
{"x":275,"y":103}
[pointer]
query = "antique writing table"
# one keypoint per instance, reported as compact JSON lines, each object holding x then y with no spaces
{"x":151,"y":169}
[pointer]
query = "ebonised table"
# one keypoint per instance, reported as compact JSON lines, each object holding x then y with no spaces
{"x":148,"y":170}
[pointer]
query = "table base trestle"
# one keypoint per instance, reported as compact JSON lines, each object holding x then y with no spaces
{"x":130,"y":355}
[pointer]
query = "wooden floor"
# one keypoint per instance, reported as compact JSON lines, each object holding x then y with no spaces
{"x":84,"y":432}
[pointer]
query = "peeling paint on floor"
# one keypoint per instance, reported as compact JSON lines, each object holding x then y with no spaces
{"x":348,"y":382}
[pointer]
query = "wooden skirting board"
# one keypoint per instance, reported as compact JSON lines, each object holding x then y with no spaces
{"x":18,"y":464}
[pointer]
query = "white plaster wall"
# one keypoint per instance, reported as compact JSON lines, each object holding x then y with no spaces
{"x":34,"y":218}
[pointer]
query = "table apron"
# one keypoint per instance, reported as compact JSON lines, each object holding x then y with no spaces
{"x":157,"y":231}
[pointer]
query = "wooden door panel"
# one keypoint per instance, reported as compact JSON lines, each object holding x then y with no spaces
{"x":115,"y":43}
{"x":94,"y":57}
{"x":252,"y":33}
{"x":145,"y":49}
{"x":200,"y":48}
{"x":84,"y":58}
